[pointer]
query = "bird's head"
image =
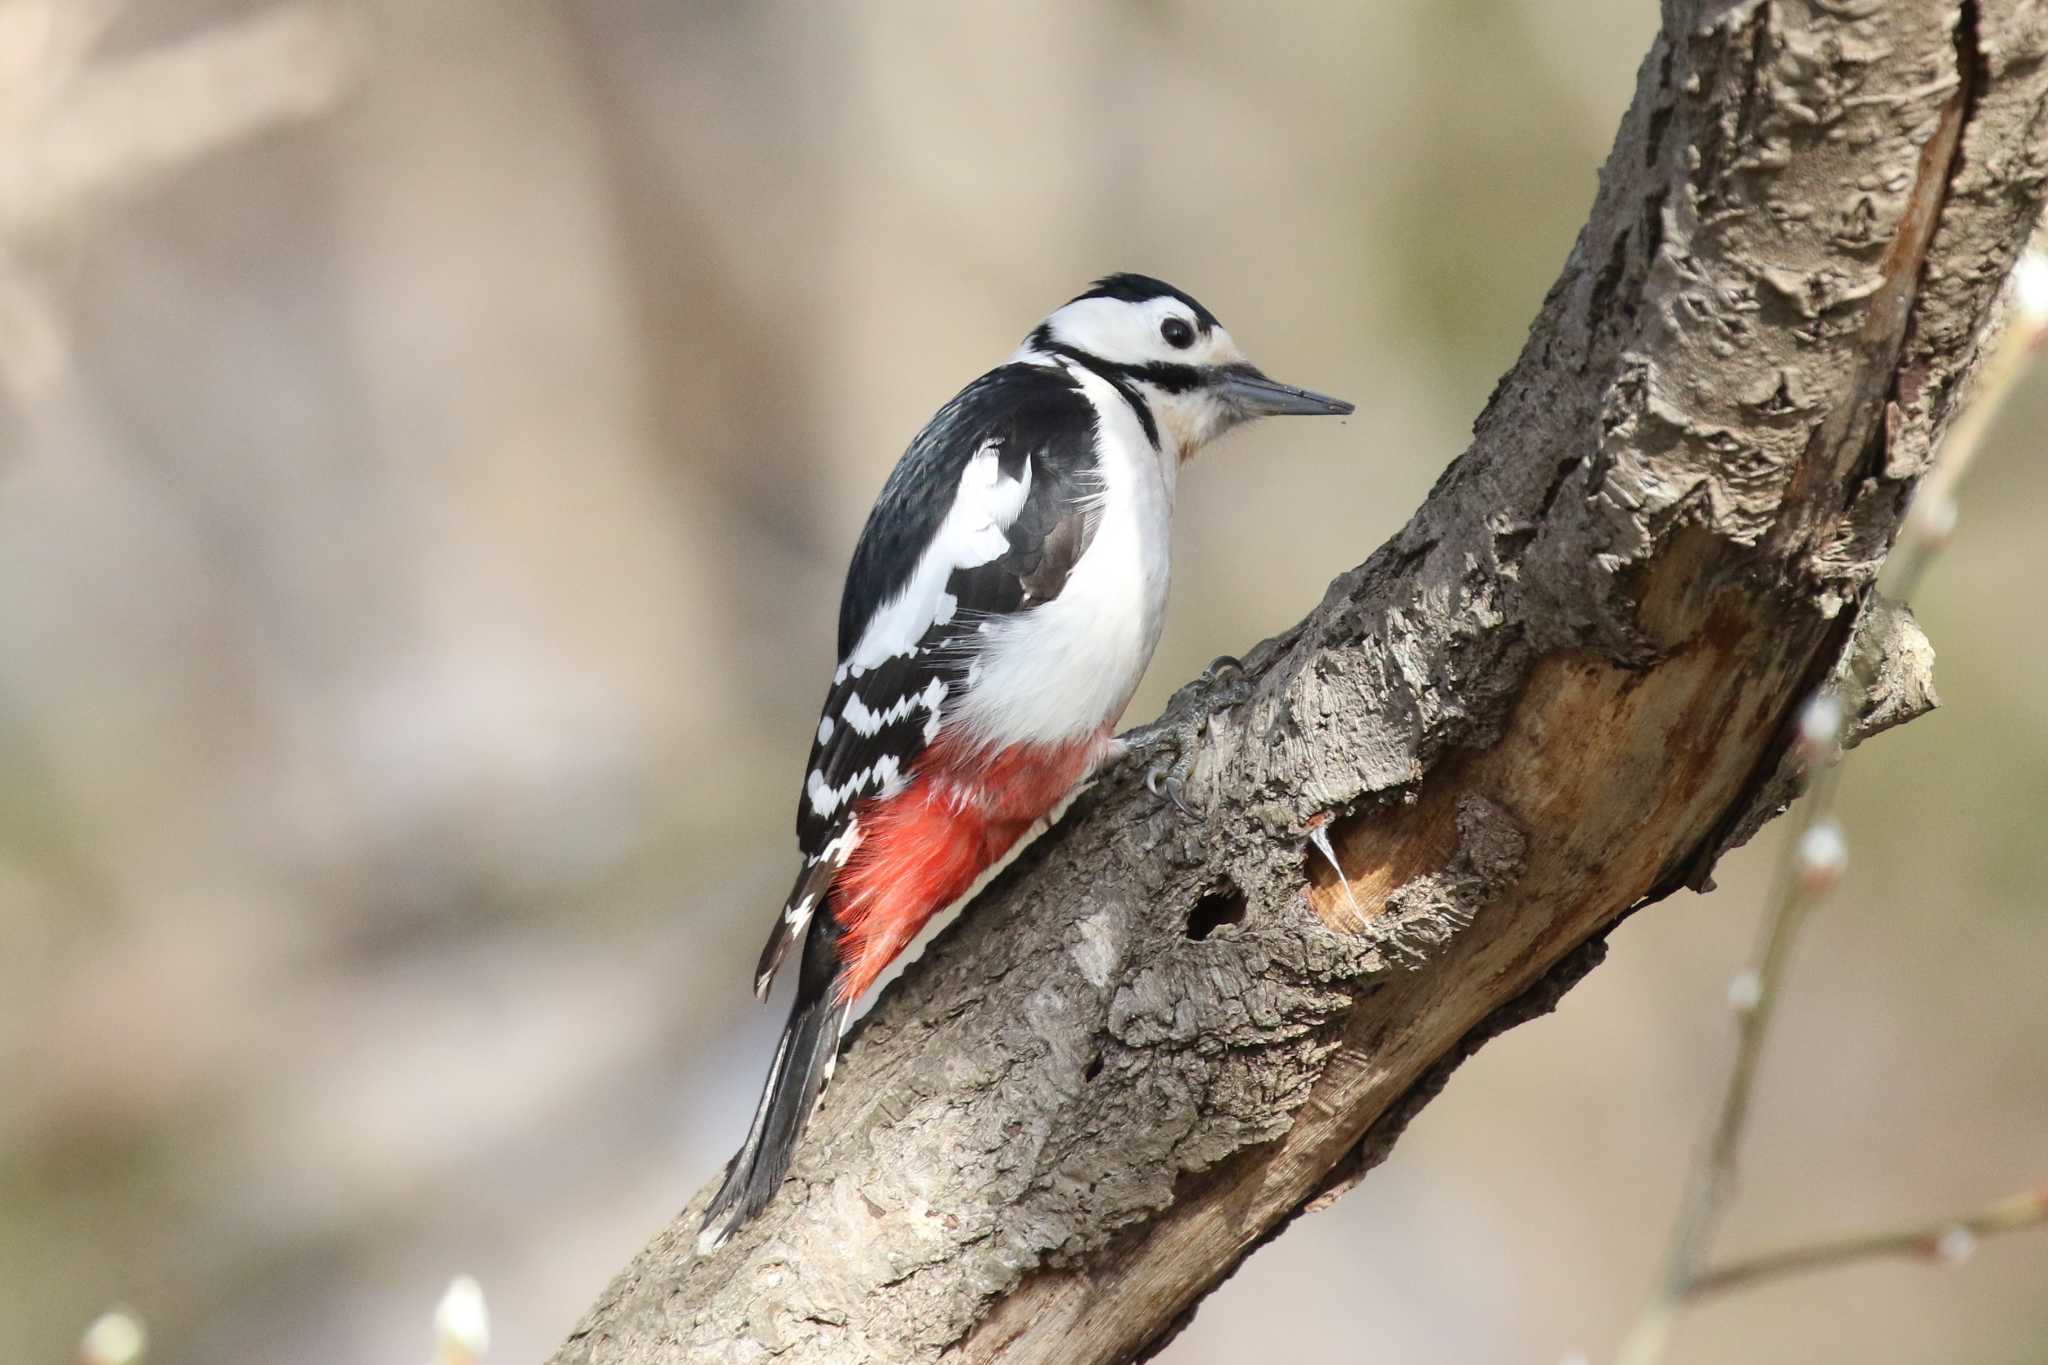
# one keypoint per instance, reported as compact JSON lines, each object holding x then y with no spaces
{"x":1164,"y":349}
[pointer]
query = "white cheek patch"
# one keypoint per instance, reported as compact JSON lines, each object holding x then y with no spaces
{"x":1127,"y":333}
{"x":1117,"y":329}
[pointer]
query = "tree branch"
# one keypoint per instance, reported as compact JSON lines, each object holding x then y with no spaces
{"x":1555,"y":697}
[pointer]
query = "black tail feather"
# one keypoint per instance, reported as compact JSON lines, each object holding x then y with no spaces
{"x":813,"y":884}
{"x":796,"y":1078}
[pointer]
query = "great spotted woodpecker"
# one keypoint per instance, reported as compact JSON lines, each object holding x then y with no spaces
{"x":1002,"y":604}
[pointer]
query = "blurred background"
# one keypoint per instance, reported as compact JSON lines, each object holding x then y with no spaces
{"x":434,"y":434}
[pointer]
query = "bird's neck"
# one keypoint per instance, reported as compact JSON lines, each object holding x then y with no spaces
{"x":1176,"y":425}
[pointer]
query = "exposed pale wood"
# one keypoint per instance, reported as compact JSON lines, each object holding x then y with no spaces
{"x":1555,"y":697}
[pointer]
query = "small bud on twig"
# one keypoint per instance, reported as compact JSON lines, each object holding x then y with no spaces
{"x":1932,"y":520}
{"x":116,"y":1337}
{"x":1956,"y":1245}
{"x":462,"y":1326}
{"x":1821,"y":857}
{"x":2030,"y":297}
{"x":1745,"y":990}
{"x":1820,"y":728}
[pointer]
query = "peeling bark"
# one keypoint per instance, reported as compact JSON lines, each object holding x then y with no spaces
{"x":1558,"y":695}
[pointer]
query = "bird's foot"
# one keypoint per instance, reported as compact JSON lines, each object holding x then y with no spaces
{"x":1174,"y":741}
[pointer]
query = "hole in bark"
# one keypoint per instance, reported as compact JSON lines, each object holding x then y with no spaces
{"x":1224,"y":905}
{"x":1354,"y":862}
{"x":1093,"y":1069}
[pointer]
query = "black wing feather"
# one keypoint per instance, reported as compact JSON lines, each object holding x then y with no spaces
{"x":1037,"y":420}
{"x":1041,"y":426}
{"x":1035,"y":416}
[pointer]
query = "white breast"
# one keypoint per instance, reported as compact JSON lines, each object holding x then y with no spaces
{"x":1062,"y":671}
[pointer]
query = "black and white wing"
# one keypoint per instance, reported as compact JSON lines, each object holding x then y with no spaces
{"x":985,"y":515}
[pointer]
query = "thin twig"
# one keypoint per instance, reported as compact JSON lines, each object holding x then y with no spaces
{"x":1947,"y":1239}
{"x":1802,"y":878}
{"x":1811,"y":864}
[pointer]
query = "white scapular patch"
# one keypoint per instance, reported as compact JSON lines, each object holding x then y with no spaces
{"x":1068,"y":667}
{"x":984,"y":507}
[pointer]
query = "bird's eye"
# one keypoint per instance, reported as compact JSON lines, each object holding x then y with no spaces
{"x":1178,"y":333}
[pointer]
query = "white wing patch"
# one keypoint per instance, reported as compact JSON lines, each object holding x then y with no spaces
{"x":856,"y":714}
{"x":974,"y":532}
{"x":868,"y":723}
{"x":885,"y":773}
{"x":984,"y":507}
{"x":842,"y":847}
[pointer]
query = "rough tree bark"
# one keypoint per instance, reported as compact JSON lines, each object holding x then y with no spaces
{"x":1555,"y":697}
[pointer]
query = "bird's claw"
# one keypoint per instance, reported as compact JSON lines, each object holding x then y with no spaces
{"x":1224,"y":685}
{"x":1167,"y":782}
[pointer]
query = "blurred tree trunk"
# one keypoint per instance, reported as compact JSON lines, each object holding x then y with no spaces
{"x":1558,"y":695}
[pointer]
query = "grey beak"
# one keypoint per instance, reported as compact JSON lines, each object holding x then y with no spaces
{"x":1254,"y":395}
